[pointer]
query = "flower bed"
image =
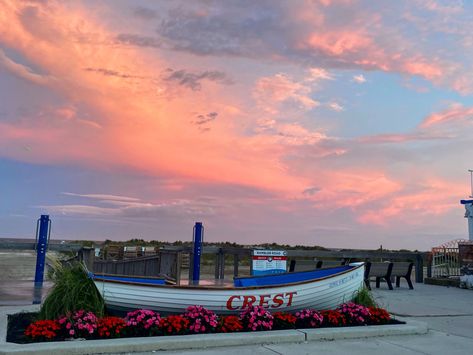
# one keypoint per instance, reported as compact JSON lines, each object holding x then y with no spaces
{"x":196,"y":320}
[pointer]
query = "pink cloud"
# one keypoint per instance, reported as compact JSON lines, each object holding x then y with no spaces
{"x":272,"y":91}
{"x":455,"y":113}
{"x":433,"y":199}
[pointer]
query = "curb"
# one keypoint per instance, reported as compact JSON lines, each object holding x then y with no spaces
{"x":202,"y":341}
{"x":410,"y":328}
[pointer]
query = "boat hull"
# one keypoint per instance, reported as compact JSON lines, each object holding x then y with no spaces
{"x":325,"y":293}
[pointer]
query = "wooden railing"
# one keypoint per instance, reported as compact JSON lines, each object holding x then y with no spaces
{"x":170,"y":258}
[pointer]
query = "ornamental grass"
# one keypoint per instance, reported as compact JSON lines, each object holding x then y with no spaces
{"x":73,"y":290}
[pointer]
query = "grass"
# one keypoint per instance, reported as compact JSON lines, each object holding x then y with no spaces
{"x":365,"y":298}
{"x":73,"y":290}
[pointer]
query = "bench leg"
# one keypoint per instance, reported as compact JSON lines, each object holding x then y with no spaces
{"x":378,"y":280}
{"x":388,"y":281}
{"x":398,"y":281}
{"x":409,"y":282}
{"x":367,"y":284}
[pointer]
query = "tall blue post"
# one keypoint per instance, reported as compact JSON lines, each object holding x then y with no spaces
{"x":43,"y":230}
{"x":198,"y":238}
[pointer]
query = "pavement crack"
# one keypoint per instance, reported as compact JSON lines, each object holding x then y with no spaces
{"x":432,"y":315}
{"x":404,"y":347}
{"x":274,"y":351}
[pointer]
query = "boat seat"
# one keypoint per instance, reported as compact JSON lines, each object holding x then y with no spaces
{"x":378,"y":271}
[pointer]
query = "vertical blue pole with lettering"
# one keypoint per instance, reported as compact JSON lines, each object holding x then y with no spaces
{"x":43,"y":231}
{"x":198,"y":239}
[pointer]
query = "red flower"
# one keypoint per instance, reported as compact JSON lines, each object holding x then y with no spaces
{"x":284,"y":320}
{"x":173,"y":325}
{"x":379,"y":316}
{"x":230,"y":324}
{"x":110,"y":327}
{"x":43,"y":330}
{"x":332,"y":318}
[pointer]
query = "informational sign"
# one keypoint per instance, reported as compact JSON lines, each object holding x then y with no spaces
{"x":267,"y":262}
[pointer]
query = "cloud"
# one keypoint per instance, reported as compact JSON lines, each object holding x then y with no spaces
{"x":128,"y":207}
{"x":271,"y":91}
{"x":138,"y":40}
{"x":110,"y":72}
{"x":335,"y":106}
{"x":319,"y":74}
{"x":359,"y":79}
{"x":145,"y":13}
{"x":203,"y":119}
{"x":103,"y":197}
{"x":193,"y":81}
{"x":22,"y":71}
{"x":454,"y":114}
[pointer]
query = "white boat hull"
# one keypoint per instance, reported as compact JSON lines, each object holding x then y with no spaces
{"x":326,"y":293}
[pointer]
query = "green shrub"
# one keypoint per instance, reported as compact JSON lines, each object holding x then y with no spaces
{"x":364,"y":298}
{"x":73,"y":290}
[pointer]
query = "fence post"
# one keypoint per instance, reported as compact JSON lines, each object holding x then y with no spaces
{"x":220,"y":264}
{"x":87,"y":256}
{"x":419,"y":263}
{"x":235,"y":264}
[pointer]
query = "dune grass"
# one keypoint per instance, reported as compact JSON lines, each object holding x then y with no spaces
{"x":364,"y":297}
{"x":73,"y":290}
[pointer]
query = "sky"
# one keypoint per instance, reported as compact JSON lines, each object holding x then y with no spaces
{"x":339,"y":123}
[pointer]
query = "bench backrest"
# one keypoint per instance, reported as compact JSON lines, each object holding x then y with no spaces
{"x":402,"y":268}
{"x":304,"y":265}
{"x":327,"y":264}
{"x":379,"y":269}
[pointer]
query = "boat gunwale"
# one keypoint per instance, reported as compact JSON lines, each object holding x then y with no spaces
{"x":220,"y":288}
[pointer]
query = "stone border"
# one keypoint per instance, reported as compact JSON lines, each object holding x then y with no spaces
{"x":202,"y":341}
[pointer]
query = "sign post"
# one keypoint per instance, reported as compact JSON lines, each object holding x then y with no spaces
{"x":198,"y":239}
{"x":43,"y":232}
{"x":266,"y":262}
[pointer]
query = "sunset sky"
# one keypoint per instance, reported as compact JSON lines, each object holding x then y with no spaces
{"x":333,"y":122}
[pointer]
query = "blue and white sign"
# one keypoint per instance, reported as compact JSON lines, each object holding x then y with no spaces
{"x":266,"y":262}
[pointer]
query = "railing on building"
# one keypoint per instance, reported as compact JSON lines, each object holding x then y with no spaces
{"x":445,"y":259}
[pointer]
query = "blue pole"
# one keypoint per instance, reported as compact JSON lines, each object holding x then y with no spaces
{"x":198,"y":238}
{"x":42,"y":239}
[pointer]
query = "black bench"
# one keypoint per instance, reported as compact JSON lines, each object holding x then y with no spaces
{"x":379,"y":271}
{"x":306,"y":265}
{"x":402,"y":269}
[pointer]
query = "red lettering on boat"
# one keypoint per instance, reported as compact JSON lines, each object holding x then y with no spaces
{"x":248,"y":301}
{"x":263,"y":300}
{"x":229,"y":303}
{"x":290,"y":294}
{"x":278,"y":300}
